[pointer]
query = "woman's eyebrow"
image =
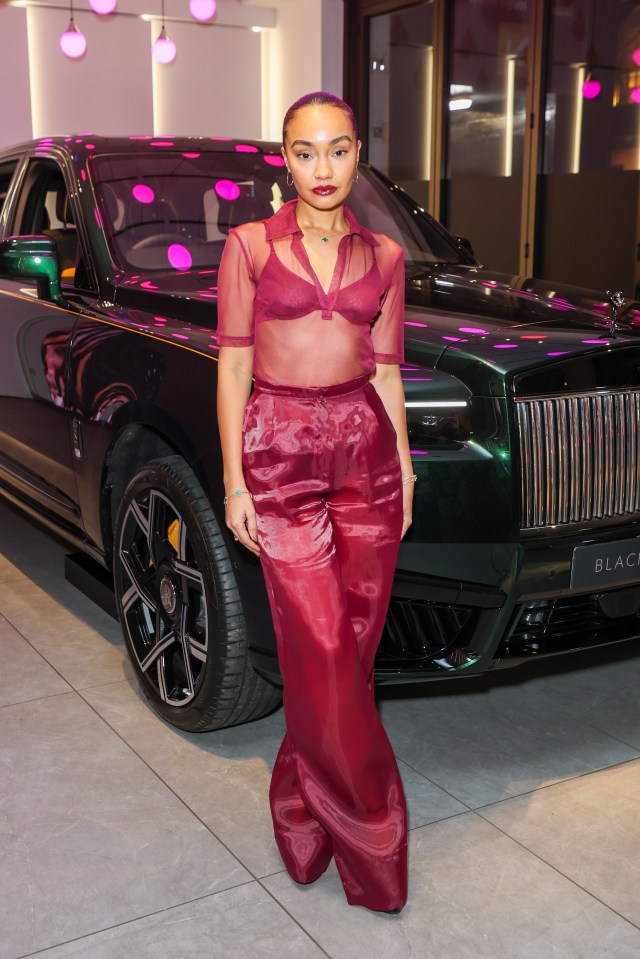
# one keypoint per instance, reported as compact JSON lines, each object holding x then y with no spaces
{"x":308,"y":143}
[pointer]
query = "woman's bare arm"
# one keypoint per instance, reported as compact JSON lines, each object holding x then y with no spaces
{"x":387,"y":382}
{"x":235,"y":370}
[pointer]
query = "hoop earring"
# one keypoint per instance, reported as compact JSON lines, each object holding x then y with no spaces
{"x":355,"y":178}
{"x":289,"y":178}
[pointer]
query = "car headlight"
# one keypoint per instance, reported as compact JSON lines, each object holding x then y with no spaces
{"x":438,"y":424}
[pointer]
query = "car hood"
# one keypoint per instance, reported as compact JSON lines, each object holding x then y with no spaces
{"x":513,"y":300}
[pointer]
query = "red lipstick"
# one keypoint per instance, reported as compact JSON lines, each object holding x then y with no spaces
{"x":324,"y":190}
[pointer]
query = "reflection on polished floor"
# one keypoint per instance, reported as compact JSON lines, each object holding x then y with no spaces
{"x":122,"y":837}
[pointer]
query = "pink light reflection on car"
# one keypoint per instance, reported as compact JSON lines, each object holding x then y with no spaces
{"x":148,"y":285}
{"x":191,"y":156}
{"x":415,"y":323}
{"x":274,"y":159}
{"x":591,"y":89}
{"x":143,"y":193}
{"x":246,"y":148}
{"x":505,"y":346}
{"x":227,"y":189}
{"x":179,"y":257}
{"x":472,"y":329}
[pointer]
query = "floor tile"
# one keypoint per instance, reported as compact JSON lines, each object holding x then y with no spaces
{"x":241,"y":923}
{"x":25,"y":674}
{"x":89,"y":837}
{"x":80,"y":640}
{"x":474,"y":894}
{"x":486,"y":746}
{"x":588,"y":829}
{"x":603,"y":694}
{"x":222,"y":776}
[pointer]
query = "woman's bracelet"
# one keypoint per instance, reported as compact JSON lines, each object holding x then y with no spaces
{"x":409,"y":479}
{"x":237,"y":492}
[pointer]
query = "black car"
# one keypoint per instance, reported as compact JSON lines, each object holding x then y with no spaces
{"x":522,"y":397}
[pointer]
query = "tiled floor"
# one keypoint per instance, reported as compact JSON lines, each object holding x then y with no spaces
{"x":122,"y":837}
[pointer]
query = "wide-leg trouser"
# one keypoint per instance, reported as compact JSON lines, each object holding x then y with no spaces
{"x":323,"y":468}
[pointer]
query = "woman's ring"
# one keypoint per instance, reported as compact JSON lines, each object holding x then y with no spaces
{"x":236,"y":538}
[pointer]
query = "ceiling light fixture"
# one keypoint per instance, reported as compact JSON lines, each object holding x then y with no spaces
{"x":164,"y":49}
{"x":103,"y":7}
{"x":73,"y":43}
{"x":202,"y":9}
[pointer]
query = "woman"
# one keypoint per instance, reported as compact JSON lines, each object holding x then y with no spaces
{"x":319,"y":484}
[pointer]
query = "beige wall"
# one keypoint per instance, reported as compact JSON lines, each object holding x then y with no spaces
{"x":15,"y":103}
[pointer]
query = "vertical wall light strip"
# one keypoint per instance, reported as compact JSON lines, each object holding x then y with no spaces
{"x":265,"y":84}
{"x":37,"y":129}
{"x":577,"y":118}
{"x":508,"y":118}
{"x":428,"y":110}
{"x":156,"y":84}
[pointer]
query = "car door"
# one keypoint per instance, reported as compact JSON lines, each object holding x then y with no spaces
{"x":35,"y":437}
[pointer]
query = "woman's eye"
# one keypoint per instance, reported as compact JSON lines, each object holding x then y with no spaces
{"x":341,"y":153}
{"x":303,"y":156}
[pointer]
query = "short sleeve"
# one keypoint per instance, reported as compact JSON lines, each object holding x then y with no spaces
{"x":236,"y":295}
{"x":387,"y":333}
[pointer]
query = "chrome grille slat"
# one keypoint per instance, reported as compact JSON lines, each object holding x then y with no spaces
{"x":580,"y":457}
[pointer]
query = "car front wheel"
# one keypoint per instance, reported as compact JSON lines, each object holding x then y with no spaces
{"x":179,"y":605}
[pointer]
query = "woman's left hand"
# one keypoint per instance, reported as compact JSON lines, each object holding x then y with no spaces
{"x":407,"y":507}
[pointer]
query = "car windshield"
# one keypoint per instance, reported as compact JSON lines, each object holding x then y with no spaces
{"x":176,"y":210}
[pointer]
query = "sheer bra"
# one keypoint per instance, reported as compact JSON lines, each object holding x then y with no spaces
{"x":266,"y":282}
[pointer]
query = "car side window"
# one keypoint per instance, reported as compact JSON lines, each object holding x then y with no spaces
{"x":44,"y":208}
{"x":6,"y":175}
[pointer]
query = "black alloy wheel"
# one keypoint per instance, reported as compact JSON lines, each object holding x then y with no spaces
{"x":179,"y":605}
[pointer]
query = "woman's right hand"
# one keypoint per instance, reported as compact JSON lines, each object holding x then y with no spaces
{"x":240,"y":517}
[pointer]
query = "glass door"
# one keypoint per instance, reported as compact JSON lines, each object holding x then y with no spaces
{"x":589,"y":190}
{"x":400,"y":108}
{"x":484,"y":121}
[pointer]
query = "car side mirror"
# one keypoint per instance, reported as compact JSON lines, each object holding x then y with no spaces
{"x":33,"y":258}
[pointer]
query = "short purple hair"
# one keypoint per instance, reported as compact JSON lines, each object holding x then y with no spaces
{"x":318,"y":99}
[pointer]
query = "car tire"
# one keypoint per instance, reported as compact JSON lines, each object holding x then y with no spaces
{"x":179,"y":605}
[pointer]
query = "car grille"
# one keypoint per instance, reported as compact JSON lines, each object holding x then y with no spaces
{"x":579,"y":456}
{"x":573,"y":622}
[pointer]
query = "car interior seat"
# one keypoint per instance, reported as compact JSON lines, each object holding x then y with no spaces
{"x":65,"y":235}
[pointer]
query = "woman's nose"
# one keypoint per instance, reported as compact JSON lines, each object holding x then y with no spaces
{"x":323,"y":169}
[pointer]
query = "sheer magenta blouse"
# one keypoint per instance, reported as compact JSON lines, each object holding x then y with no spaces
{"x":304,"y":335}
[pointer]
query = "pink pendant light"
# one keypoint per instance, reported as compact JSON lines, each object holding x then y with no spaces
{"x":202,"y":9}
{"x":73,"y":43}
{"x":163,"y":49}
{"x":103,"y":7}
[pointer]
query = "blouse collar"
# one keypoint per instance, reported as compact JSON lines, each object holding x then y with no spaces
{"x":284,"y":223}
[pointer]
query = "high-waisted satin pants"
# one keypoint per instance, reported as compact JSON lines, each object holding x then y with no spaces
{"x":323,"y":468}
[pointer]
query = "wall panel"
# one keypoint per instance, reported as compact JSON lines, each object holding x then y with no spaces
{"x":213,"y":85}
{"x":108,"y":91}
{"x":15,"y":105}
